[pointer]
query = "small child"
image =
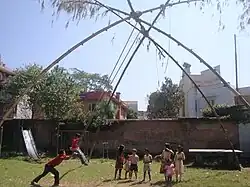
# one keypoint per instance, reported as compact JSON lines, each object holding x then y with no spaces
{"x":50,"y":168}
{"x":169,"y":171}
{"x":134,"y":158}
{"x":147,"y":160}
{"x":179,"y":166}
{"x":127,"y":165}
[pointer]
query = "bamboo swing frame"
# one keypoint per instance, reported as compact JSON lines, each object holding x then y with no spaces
{"x":135,"y":16}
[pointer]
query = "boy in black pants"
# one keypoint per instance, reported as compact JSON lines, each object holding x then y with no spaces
{"x":50,"y":168}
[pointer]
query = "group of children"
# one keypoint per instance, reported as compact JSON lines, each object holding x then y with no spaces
{"x":50,"y":166}
{"x":129,"y":163}
{"x":170,"y":163}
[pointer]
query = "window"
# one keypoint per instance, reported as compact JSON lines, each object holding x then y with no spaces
{"x":212,"y":102}
{"x":196,"y":106}
{"x":92,"y":106}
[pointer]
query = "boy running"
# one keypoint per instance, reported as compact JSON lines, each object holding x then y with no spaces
{"x":50,"y":168}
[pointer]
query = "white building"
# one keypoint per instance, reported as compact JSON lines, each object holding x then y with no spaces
{"x":210,"y":85}
{"x":132,"y":105}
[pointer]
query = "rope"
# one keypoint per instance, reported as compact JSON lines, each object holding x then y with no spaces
{"x":125,"y":57}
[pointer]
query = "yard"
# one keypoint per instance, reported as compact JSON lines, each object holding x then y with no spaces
{"x":19,"y":173}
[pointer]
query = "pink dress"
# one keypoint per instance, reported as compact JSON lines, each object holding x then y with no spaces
{"x":169,"y":170}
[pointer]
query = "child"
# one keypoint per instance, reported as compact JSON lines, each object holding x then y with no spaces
{"x":50,"y":168}
{"x":134,"y":158}
{"x":76,"y":149}
{"x":127,"y":165}
{"x":169,"y":171}
{"x":147,"y":160}
{"x":119,"y":161}
{"x":179,"y":166}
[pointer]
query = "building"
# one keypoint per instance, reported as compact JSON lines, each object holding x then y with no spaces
{"x":91,"y":99}
{"x":132,"y":105}
{"x":22,"y":110}
{"x":142,"y":115}
{"x":245,"y":92}
{"x":210,"y":85}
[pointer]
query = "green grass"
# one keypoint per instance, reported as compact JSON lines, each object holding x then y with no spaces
{"x":18,"y":173}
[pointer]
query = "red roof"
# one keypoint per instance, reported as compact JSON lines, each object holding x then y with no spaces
{"x":96,"y":95}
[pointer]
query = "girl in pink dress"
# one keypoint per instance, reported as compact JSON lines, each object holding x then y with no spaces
{"x":169,"y":171}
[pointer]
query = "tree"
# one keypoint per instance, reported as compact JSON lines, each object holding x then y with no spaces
{"x":59,"y":94}
{"x":91,"y":81}
{"x":102,"y":112}
{"x":132,"y":114}
{"x":15,"y":85}
{"x":84,"y":9}
{"x":166,"y":102}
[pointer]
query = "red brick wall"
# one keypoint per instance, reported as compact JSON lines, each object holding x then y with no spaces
{"x":191,"y":133}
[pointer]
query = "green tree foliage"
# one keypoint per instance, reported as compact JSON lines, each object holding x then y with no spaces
{"x":238,"y":113}
{"x":57,"y":94}
{"x":102,"y":112}
{"x":15,"y":85}
{"x":91,"y":81}
{"x":166,"y":102}
{"x":132,"y":114}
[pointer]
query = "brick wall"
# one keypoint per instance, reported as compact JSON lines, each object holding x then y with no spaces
{"x":191,"y":133}
{"x":139,"y":134}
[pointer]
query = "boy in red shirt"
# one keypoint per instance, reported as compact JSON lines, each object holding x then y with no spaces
{"x":50,"y":168}
{"x":75,"y":148}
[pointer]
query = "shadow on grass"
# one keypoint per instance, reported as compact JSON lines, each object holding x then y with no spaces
{"x":124,"y":181}
{"x":137,"y":183}
{"x":66,"y":173}
{"x":216,"y":167}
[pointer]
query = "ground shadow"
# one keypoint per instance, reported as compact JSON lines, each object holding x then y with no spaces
{"x":137,"y":183}
{"x":108,"y":180}
{"x":69,"y":172}
{"x":163,"y":183}
{"x":124,"y":181}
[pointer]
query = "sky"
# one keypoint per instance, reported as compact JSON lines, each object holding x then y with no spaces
{"x":27,"y":35}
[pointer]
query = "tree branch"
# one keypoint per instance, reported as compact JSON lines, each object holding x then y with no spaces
{"x":96,"y":4}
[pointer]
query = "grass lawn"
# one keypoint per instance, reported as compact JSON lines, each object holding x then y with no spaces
{"x":18,"y":173}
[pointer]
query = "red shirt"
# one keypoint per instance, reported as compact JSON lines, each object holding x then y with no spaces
{"x":57,"y":160}
{"x":74,"y":144}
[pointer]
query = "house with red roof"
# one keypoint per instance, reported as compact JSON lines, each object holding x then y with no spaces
{"x":91,"y":99}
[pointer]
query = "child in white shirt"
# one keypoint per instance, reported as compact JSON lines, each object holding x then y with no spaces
{"x":147,"y":160}
{"x":134,"y":158}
